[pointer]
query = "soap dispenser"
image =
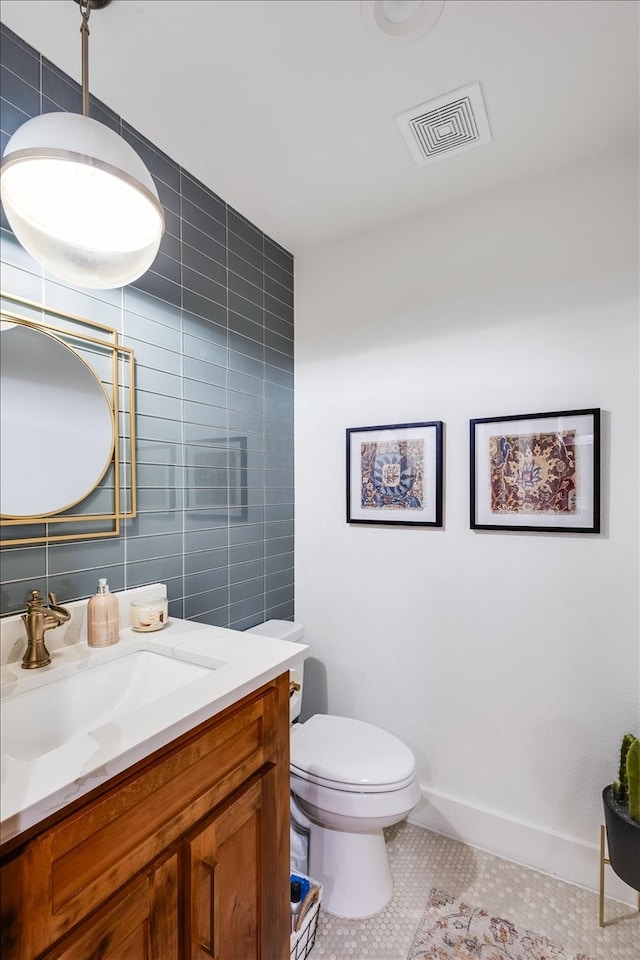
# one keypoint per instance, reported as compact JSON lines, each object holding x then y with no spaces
{"x":103,"y":617}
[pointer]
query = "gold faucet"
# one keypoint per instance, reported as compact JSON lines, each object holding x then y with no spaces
{"x":37,"y":620}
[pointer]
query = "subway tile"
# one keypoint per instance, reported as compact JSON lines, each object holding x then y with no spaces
{"x":204,"y":287}
{"x":148,"y":524}
{"x":137,"y":303}
{"x":203,"y":221}
{"x":246,"y":271}
{"x":206,"y":560}
{"x":169,"y":199}
{"x":18,"y":93}
{"x":278,"y":511}
{"x":158,"y":475}
{"x":161,"y":331}
{"x":245,"y":289}
{"x":203,"y":372}
{"x":247,"y":609}
{"x":203,"y":603}
{"x":198,"y":262}
{"x":203,"y":328}
{"x":274,"y":341}
{"x":282,"y":545}
{"x":248,"y":570}
{"x":213,"y":457}
{"x":276,"y":272}
{"x":208,"y":539}
{"x":19,"y":563}
{"x":279,"y":595}
{"x":171,"y":246}
{"x":207,"y":580}
{"x":277,"y":325}
{"x":278,"y":292}
{"x":278,"y":393}
{"x":150,"y":548}
{"x":22,"y":283}
{"x":278,"y":445}
{"x":280,"y":562}
{"x":246,"y":308}
{"x":60,"y":89}
{"x":197,"y":240}
{"x":207,"y":434}
{"x":153,"y":571}
{"x":243,"y":552}
{"x":155,"y":357}
{"x":11,"y":119}
{"x":158,"y":405}
{"x":246,"y":533}
{"x":157,"y":381}
{"x":245,"y":590}
{"x":278,"y":529}
{"x":245,"y":403}
{"x":247,"y":328}
{"x":245,"y":346}
{"x":86,"y":555}
{"x":167,"y":267}
{"x":277,"y":307}
{"x":159,"y":498}
{"x":19,"y":58}
{"x":278,"y":428}
{"x":246,"y":366}
{"x":200,"y":196}
{"x":158,"y":452}
{"x":213,"y":350}
{"x":245,"y":423}
{"x":155,"y":285}
{"x":203,"y":307}
{"x":207,"y":498}
{"x":246,"y":251}
{"x":195,"y":391}
{"x":276,"y":581}
{"x":278,"y":411}
{"x":278,"y":254}
{"x":248,"y":385}
{"x":207,"y":519}
{"x":244,"y":229}
{"x":155,"y":428}
{"x":281,"y":611}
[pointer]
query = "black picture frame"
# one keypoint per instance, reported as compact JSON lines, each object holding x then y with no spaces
{"x":536,"y":472}
{"x":394,"y":474}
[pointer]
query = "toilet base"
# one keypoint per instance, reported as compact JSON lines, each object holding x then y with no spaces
{"x":354,"y":868}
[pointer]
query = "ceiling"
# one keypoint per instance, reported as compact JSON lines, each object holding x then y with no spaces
{"x":286,"y":108}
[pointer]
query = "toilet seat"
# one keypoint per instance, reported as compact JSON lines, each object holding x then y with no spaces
{"x":349,"y":755}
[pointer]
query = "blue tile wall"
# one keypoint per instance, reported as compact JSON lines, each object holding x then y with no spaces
{"x":211,"y":324}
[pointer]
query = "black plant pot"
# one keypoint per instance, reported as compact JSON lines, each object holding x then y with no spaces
{"x":623,"y":840}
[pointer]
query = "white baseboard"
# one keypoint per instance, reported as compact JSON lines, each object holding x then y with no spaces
{"x":552,"y":853}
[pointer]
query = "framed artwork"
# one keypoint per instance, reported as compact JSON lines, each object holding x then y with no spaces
{"x":536,"y":471}
{"x":394,"y":474}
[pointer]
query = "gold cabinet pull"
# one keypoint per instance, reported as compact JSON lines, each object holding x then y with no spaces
{"x":294,"y":687}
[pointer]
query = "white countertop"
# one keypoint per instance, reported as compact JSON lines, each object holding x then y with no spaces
{"x":32,"y":790}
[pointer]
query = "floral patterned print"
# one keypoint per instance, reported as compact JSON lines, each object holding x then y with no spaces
{"x":452,"y":930}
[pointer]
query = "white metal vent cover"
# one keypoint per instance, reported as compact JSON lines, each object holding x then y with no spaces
{"x":449,"y":124}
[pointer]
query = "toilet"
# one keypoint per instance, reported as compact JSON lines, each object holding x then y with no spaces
{"x":349,"y":780}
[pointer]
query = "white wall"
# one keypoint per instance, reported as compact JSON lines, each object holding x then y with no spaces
{"x":508,"y":661}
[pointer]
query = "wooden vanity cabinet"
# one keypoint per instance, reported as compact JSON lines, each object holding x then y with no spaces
{"x":183,"y":857}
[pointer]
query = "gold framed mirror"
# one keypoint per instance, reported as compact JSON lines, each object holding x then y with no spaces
{"x":67,"y":435}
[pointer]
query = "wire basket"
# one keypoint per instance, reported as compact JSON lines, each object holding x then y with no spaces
{"x":303,"y":939}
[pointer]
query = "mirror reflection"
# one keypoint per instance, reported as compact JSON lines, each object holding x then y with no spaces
{"x":56,"y":424}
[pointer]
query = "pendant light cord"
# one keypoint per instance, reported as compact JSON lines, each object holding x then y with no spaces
{"x":84,"y":30}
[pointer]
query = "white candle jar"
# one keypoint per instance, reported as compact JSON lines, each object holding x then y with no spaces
{"x":149,"y":614}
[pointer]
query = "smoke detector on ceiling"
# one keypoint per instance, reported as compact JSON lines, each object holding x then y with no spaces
{"x":449,"y":124}
{"x":401,"y":20}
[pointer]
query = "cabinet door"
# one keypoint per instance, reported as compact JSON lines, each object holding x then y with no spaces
{"x":225,"y":879}
{"x":140,"y":922}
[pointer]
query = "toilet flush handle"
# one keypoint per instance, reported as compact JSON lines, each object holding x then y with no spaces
{"x":294,"y":687}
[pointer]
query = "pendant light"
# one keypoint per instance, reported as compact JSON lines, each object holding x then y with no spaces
{"x":78,"y":197}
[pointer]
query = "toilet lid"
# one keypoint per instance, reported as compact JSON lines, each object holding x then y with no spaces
{"x":350,"y":753}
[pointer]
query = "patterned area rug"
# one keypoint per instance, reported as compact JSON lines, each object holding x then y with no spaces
{"x":451,"y":930}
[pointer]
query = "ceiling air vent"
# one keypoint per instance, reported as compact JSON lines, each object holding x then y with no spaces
{"x":450,"y":124}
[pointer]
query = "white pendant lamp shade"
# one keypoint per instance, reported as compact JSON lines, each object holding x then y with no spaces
{"x":81,"y":201}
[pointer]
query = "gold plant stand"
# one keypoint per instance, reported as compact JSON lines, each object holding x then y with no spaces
{"x":605,"y":860}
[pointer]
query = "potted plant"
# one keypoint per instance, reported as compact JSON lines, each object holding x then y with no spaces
{"x":621,"y":801}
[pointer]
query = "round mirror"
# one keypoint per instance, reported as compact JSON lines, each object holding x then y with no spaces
{"x":57,"y":430}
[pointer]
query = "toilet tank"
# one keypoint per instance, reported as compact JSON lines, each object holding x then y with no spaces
{"x":294,"y":633}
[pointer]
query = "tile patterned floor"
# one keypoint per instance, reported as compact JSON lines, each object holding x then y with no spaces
{"x":421,"y":860}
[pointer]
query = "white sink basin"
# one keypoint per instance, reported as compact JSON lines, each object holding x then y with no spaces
{"x":39,"y":720}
